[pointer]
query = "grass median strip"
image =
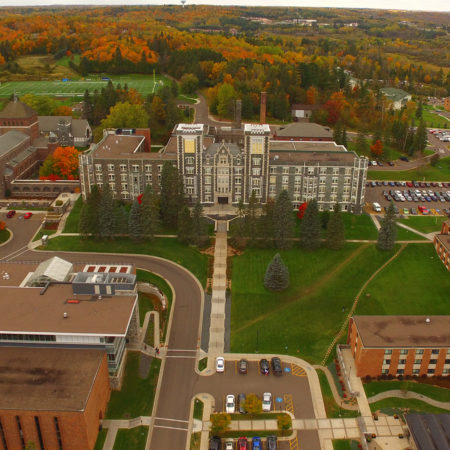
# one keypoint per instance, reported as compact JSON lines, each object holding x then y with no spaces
{"x":134,"y":438}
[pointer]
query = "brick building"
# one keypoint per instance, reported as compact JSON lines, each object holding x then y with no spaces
{"x":53,"y":398}
{"x":400,"y":345}
{"x":442,"y":244}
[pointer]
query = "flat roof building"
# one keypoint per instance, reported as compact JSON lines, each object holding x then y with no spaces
{"x":429,"y":431}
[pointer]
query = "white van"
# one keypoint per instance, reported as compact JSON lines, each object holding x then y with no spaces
{"x":376,"y":207}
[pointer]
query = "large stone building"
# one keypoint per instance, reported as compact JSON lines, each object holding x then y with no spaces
{"x":442,"y":244}
{"x":225,"y":165}
{"x":400,"y":345}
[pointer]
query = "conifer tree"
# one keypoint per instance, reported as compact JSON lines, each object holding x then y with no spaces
{"x":149,"y":213}
{"x":89,"y":216}
{"x":388,"y":230}
{"x":337,"y":133}
{"x":362,"y":146}
{"x":135,"y":222}
{"x":277,"y":275}
{"x":266,"y":224}
{"x":199,"y":230}
{"x":336,"y":230}
{"x":172,"y":195}
{"x":106,"y":213}
{"x":283,"y":221}
{"x":121,"y":220}
{"x":185,"y":226}
{"x":310,"y":227}
{"x":251,"y":219}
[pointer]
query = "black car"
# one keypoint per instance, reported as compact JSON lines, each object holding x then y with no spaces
{"x":272,"y":443}
{"x":404,"y":158}
{"x":391,"y":163}
{"x":215,"y":443}
{"x":243,"y":366}
{"x":241,"y":403}
{"x":264,"y":366}
{"x":276,"y":366}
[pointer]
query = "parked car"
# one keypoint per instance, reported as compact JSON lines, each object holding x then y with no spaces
{"x":242,"y":443}
{"x":243,"y":366}
{"x":404,"y":158}
{"x":27,"y":215}
{"x":276,"y":366}
{"x":230,"y":404}
{"x":267,"y":402}
{"x":391,"y":163}
{"x":10,"y":214}
{"x":220,"y":364}
{"x":264,"y":366}
{"x":405,"y":211}
{"x":256,"y":443}
{"x":272,"y":443}
{"x":215,"y":443}
{"x":241,"y":401}
{"x":414,"y":211}
{"x":229,"y":445}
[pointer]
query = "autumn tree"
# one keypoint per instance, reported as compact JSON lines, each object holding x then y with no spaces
{"x":188,"y":83}
{"x":42,"y":104}
{"x":157,"y":111}
{"x":220,"y":423}
{"x":377,"y":148}
{"x":61,"y":165}
{"x":62,"y":111}
{"x":126,"y":115}
{"x":226,"y":97}
{"x":253,"y":404}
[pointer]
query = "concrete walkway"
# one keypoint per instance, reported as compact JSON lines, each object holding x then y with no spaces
{"x":218,"y":297}
{"x":409,"y":395}
{"x":426,"y":236}
{"x":114,"y":425}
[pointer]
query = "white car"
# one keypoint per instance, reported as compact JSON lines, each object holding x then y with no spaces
{"x":229,"y":445}
{"x":267,"y":402}
{"x":230,"y":404}
{"x":220,"y":364}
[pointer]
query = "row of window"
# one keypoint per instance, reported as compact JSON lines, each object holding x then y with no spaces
{"x":27,"y":337}
{"x":124,"y":167}
{"x":416,"y":371}
{"x":387,"y":362}
{"x":419,"y":351}
{"x":124,"y":177}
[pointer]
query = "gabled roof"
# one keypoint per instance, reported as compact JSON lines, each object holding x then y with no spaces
{"x":11,"y":139}
{"x":55,"y":269}
{"x":304,"y":130}
{"x":17,"y":110}
{"x":394,"y":94}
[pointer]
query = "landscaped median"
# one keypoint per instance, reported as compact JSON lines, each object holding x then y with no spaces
{"x":4,"y":235}
{"x":133,"y":438}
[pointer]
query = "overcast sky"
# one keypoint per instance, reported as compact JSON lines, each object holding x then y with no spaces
{"x":432,"y":5}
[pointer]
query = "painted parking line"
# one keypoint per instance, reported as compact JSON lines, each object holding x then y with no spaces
{"x":293,"y":444}
{"x":289,"y":403}
{"x":298,"y":371}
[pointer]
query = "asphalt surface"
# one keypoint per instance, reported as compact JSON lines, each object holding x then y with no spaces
{"x":180,"y":382}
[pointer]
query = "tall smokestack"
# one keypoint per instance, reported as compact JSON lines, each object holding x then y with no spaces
{"x":238,"y":114}
{"x":262,"y":112}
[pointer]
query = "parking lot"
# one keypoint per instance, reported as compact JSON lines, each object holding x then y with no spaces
{"x":414,"y":196}
{"x":290,"y":392}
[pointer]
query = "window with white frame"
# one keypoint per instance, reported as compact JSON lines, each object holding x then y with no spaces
{"x":189,"y":181}
{"x":256,"y":182}
{"x":125,"y":195}
{"x":256,"y":161}
{"x":285,"y":180}
{"x":208,"y":170}
{"x":207,"y":189}
{"x":190,"y":170}
{"x":190,"y":190}
{"x":98,"y":167}
{"x":208,"y":180}
{"x":322,"y":180}
{"x":111,"y":177}
{"x":111,"y":167}
{"x":148,"y":177}
{"x":272,"y":189}
{"x":297,"y":180}
{"x":310,"y":170}
{"x":123,"y":177}
{"x":323,"y":171}
{"x":123,"y":167}
{"x":237,"y":189}
{"x":334,"y":180}
{"x":189,"y":160}
{"x":112,"y":186}
{"x":298,"y":170}
{"x":135,"y":168}
{"x":335,"y":170}
{"x":160,"y":167}
{"x":273,"y":170}
{"x":148,"y":167}
{"x":285,"y":169}
{"x":273,"y":179}
{"x":237,"y":180}
{"x":99,"y":177}
{"x":256,"y":172}
{"x":238,"y":170}
{"x":124,"y":186}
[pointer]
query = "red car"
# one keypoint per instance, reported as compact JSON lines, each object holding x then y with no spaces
{"x":27,"y":215}
{"x":242,"y":443}
{"x":10,"y":214}
{"x":409,"y":184}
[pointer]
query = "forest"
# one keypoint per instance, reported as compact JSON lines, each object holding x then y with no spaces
{"x":336,"y":58}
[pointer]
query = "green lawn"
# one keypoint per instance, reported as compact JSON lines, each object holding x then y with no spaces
{"x":332,"y":408}
{"x":168,"y":248}
{"x":137,"y":394}
{"x":415,"y":283}
{"x":101,"y":438}
{"x":198,"y":409}
{"x":359,"y":226}
{"x":74,"y":217}
{"x":321,"y":281}
{"x":424,"y":224}
{"x":406,"y":235}
{"x":4,"y":235}
{"x":345,"y":444}
{"x":389,"y":153}
{"x":433,"y":120}
{"x":42,"y":232}
{"x":437,"y":393}
{"x":393,"y":406}
{"x":440,"y":172}
{"x":132,"y":439}
{"x":202,"y":364}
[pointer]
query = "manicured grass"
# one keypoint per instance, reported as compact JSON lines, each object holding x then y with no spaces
{"x":4,"y":235}
{"x":433,"y":120}
{"x":415,"y":283}
{"x":253,"y":433}
{"x":345,"y":444}
{"x":198,"y":409}
{"x":137,"y":394}
{"x":261,"y":416}
{"x":145,"y":305}
{"x":359,"y":226}
{"x":132,"y":439}
{"x":101,"y":438}
{"x":440,"y":172}
{"x":74,"y":217}
{"x":195,"y":441}
{"x":398,"y":405}
{"x":41,"y":233}
{"x":168,"y":248}
{"x":306,"y":316}
{"x":389,"y":153}
{"x":332,"y":408}
{"x":434,"y":392}
{"x":424,"y":224}
{"x":406,"y":235}
{"x":202,"y":364}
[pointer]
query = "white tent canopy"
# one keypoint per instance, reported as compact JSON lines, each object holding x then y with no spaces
{"x":53,"y":269}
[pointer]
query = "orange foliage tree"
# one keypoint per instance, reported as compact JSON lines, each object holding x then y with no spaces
{"x":61,"y":165}
{"x":377,"y":148}
{"x":63,"y":111}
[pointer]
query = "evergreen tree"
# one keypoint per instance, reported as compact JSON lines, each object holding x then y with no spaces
{"x":135,"y":222}
{"x":419,"y":110}
{"x":337,"y":133}
{"x":149,"y":213}
{"x":171,"y":197}
{"x":310,"y":227}
{"x":89,"y":216}
{"x":185,"y":225}
{"x":199,"y":230}
{"x":88,"y":107}
{"x":277,"y":275}
{"x":344,"y":137}
{"x":283,"y":224}
{"x":266,"y":224}
{"x":121,"y":220}
{"x":251,"y":219}
{"x":336,"y":230}
{"x":388,"y":230}
{"x":106,"y":213}
{"x":420,"y":138}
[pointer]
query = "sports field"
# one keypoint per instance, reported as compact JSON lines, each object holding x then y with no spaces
{"x":144,"y":84}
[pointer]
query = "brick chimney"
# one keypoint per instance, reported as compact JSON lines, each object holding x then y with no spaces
{"x":263,"y":107}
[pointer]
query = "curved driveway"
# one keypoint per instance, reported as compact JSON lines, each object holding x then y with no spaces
{"x":178,"y":376}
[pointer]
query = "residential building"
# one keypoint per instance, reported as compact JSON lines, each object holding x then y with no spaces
{"x":53,"y":397}
{"x":442,"y":244}
{"x":302,"y":112}
{"x":398,"y":97}
{"x":428,"y":431}
{"x":400,"y":345}
{"x":56,"y":305}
